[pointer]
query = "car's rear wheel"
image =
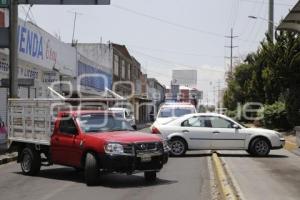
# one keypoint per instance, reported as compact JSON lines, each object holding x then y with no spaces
{"x":260,"y":147}
{"x":150,"y":176}
{"x":92,"y":171}
{"x":178,"y":147}
{"x":30,"y":161}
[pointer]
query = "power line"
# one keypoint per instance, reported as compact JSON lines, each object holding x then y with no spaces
{"x":174,"y":23}
{"x":173,"y":63}
{"x":173,"y":52}
{"x":259,"y":2}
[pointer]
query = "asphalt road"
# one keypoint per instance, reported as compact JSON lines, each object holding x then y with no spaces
{"x":182,"y":178}
{"x":276,"y":177}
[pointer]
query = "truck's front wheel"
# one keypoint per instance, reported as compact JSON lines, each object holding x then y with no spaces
{"x":92,"y":172}
{"x":30,"y":161}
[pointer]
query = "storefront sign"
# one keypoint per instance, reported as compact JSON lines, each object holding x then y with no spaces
{"x":50,"y":77}
{"x":37,"y":46}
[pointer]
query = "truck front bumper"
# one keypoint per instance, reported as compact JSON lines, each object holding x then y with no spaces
{"x":130,"y":164}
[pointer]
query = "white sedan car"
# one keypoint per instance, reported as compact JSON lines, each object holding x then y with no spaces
{"x":210,"y":131}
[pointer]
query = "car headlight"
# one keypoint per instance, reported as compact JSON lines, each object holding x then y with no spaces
{"x":113,"y":148}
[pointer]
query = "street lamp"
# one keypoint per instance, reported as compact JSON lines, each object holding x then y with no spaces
{"x":271,"y":25}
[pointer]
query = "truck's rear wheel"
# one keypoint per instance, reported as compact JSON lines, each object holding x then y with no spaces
{"x":30,"y":161}
{"x":92,"y":171}
{"x":150,"y":176}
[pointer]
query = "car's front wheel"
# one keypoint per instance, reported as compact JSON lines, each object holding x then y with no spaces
{"x":178,"y":147}
{"x":260,"y":147}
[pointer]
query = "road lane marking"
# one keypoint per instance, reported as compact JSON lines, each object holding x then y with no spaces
{"x":55,"y":192}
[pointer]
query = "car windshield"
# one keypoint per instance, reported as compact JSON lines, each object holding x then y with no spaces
{"x":91,"y":123}
{"x":174,"y":112}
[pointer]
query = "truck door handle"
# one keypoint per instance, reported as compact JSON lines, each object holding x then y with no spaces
{"x":185,"y":131}
{"x":216,"y":132}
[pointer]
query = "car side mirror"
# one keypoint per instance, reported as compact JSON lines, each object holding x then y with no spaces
{"x":236,"y":126}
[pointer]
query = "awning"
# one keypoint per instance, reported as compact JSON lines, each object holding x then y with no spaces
{"x":292,"y":20}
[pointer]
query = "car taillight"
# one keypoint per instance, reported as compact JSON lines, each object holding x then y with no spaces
{"x":155,"y":130}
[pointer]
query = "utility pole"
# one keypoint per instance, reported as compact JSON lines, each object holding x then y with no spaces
{"x":231,"y":49}
{"x":13,"y":53}
{"x":271,"y":20}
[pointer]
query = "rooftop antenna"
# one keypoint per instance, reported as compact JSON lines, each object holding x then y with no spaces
{"x":74,"y":25}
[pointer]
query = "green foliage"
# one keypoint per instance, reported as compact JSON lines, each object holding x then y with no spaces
{"x":269,"y":75}
{"x":274,"y":116}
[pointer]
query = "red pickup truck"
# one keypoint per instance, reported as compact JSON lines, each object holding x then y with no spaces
{"x":94,"y":141}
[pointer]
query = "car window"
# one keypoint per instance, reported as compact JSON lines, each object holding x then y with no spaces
{"x":95,"y":123}
{"x":175,"y":112}
{"x":67,"y":125}
{"x":194,"y":122}
{"x":218,"y":122}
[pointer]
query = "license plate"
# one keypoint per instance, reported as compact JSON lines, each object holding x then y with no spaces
{"x":145,"y":158}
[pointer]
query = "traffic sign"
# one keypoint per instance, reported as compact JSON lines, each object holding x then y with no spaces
{"x":4,"y":4}
{"x":65,"y":2}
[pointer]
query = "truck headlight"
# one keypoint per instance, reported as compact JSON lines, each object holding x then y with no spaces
{"x":113,"y":148}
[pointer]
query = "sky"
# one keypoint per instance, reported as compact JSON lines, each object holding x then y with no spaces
{"x":168,"y":34}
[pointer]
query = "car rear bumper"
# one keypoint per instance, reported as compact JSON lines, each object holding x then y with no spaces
{"x":131,"y":164}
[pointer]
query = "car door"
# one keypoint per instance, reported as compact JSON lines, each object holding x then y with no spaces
{"x":225,"y":136}
{"x":198,"y":134}
{"x":65,"y":144}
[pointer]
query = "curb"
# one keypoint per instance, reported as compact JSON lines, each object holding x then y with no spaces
{"x":8,"y":158}
{"x":227,"y":192}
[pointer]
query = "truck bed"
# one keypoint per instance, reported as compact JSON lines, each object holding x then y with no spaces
{"x":31,"y":121}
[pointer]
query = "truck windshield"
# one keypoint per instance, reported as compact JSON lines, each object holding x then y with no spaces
{"x":175,"y":112}
{"x":91,"y":123}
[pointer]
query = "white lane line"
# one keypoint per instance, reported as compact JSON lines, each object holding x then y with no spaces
{"x":55,"y":192}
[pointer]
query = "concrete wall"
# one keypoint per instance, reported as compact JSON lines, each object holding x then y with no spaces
{"x":102,"y":54}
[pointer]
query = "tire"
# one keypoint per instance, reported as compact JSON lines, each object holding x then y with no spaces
{"x":260,"y":147}
{"x":92,"y":171}
{"x":77,"y":169}
{"x":178,"y":147}
{"x":30,"y":161}
{"x":150,"y":176}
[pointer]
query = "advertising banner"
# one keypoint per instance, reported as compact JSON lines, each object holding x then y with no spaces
{"x":39,"y":47}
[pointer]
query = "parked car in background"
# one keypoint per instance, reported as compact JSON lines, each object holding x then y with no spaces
{"x":125,"y":114}
{"x":171,"y":111}
{"x":210,"y":131}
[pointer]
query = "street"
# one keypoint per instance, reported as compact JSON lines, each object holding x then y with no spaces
{"x":275,"y":177}
{"x":182,"y":178}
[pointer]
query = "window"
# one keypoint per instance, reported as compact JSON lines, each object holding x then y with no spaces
{"x":116,"y":65}
{"x":218,"y":122}
{"x":123,"y":71}
{"x":174,"y":112}
{"x":193,"y":122}
{"x":67,"y":125}
{"x":128,"y":71}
